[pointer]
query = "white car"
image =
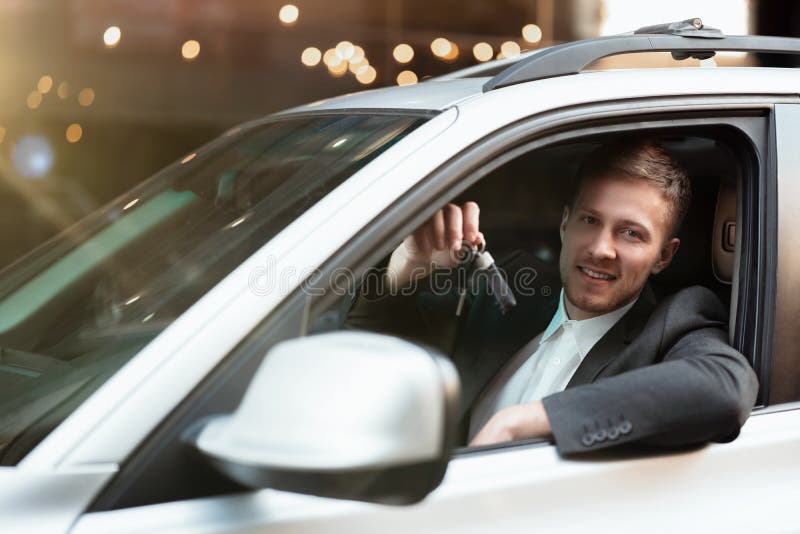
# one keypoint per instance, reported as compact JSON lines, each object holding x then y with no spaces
{"x":129,"y":342}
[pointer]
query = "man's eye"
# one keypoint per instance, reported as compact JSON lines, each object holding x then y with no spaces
{"x":589,"y":219}
{"x":633,"y":233}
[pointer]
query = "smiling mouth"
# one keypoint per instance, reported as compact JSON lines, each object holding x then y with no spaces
{"x":595,"y":274}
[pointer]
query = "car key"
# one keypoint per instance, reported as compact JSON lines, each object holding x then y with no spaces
{"x":480,"y":260}
{"x":498,"y":286}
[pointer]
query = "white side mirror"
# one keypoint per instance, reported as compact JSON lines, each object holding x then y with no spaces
{"x":347,"y":414}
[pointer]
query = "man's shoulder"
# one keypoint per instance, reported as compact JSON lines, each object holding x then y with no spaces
{"x":689,"y":309}
{"x":697,"y":300}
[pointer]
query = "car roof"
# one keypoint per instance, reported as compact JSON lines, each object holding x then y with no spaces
{"x":429,"y":95}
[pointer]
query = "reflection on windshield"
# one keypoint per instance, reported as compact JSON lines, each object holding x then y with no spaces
{"x":76,"y":310}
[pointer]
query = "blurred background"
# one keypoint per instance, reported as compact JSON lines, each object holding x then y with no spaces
{"x":96,"y":95}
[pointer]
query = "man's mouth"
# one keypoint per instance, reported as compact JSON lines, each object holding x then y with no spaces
{"x":597,"y":275}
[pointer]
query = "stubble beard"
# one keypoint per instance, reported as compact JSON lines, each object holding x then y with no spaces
{"x":613,"y":298}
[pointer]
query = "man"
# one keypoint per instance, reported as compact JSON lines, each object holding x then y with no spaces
{"x":608,"y":365}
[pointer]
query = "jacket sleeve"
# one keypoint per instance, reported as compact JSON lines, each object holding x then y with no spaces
{"x":422,"y":313}
{"x":701,"y":390}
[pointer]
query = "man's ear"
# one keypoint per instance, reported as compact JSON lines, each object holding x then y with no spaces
{"x":564,"y":218}
{"x":667,"y":253}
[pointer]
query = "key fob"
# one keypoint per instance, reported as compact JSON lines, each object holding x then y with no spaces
{"x":497,"y":285}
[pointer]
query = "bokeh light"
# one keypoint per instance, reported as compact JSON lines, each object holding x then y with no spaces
{"x":403,"y":53}
{"x":330,"y":58}
{"x":190,"y":50}
{"x":289,"y":14}
{"x":311,"y":56}
{"x":510,"y":49}
{"x":358,"y":55}
{"x":34,"y":99}
{"x":338,"y":70}
{"x":74,"y":132}
{"x":111,"y":36}
{"x":483,"y":51}
{"x":532,"y":33}
{"x":368,"y":76}
{"x":45,"y":84}
{"x":360,"y":67}
{"x":453,"y":54}
{"x":345,"y":50}
{"x":407,"y":77}
{"x":63,"y":90}
{"x":33,"y":156}
{"x":441,"y":47}
{"x":86,"y":97}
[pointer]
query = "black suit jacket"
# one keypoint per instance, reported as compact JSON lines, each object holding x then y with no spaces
{"x":663,"y":375}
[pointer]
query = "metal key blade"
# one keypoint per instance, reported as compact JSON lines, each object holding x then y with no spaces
{"x":465,"y":257}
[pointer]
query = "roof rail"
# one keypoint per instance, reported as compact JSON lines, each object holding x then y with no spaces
{"x":684,"y":42}
{"x":685,"y":28}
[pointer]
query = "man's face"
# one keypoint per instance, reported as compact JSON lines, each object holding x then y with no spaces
{"x":615,"y":237}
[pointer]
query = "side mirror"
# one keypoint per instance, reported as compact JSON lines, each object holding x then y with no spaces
{"x":349,"y":415}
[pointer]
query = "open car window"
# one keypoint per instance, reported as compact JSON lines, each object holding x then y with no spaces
{"x":521,"y":205}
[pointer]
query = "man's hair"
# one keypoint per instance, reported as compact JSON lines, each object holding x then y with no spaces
{"x":642,"y":159}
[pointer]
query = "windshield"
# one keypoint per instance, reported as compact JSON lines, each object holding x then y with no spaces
{"x":74,"y":311}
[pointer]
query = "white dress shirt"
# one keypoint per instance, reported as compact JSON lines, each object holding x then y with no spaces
{"x":546,"y":364}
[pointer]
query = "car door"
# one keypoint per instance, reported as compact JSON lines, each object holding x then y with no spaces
{"x":522,"y":484}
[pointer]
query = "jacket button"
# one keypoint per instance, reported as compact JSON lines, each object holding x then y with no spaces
{"x":613,"y":433}
{"x":587,"y":440}
{"x":600,"y":435}
{"x":625,"y":427}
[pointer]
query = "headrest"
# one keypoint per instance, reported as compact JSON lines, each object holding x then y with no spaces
{"x":724,"y":237}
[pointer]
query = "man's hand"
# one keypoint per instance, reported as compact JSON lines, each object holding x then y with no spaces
{"x":433,"y":244}
{"x":521,"y":421}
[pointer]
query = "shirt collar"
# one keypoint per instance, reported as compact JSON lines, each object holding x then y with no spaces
{"x":558,"y":318}
{"x":587,"y":332}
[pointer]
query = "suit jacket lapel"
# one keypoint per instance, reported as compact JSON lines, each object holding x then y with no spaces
{"x":616,"y":339}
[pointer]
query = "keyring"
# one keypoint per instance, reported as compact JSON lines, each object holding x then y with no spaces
{"x":466,"y":251}
{"x":481,"y":245}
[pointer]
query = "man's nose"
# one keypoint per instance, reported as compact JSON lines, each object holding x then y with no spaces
{"x":602,"y":246}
